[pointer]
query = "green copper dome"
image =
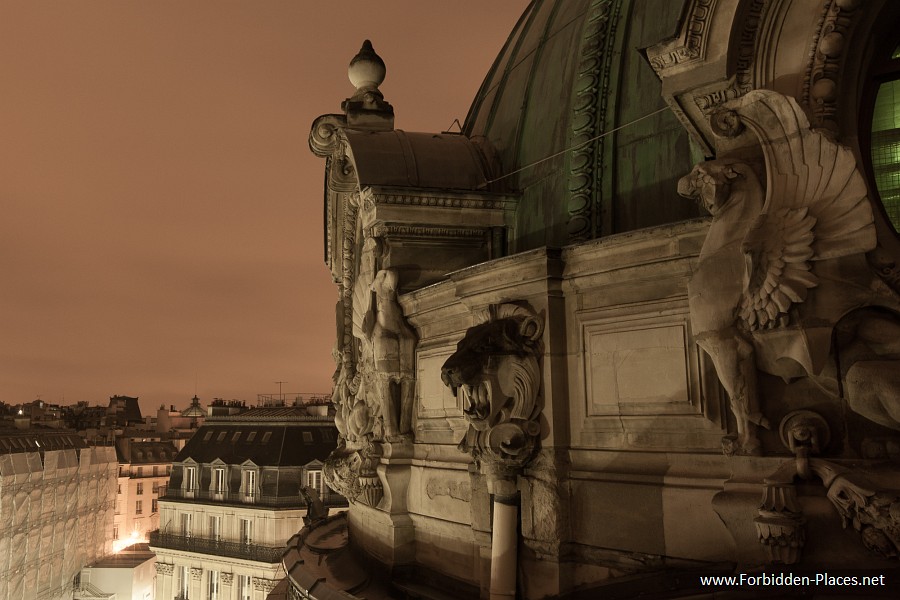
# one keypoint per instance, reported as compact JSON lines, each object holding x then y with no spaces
{"x":570,"y":71}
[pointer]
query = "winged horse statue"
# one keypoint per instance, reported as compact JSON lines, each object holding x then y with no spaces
{"x":783,"y":263}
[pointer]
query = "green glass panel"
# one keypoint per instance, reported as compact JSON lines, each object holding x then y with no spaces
{"x":886,"y":148}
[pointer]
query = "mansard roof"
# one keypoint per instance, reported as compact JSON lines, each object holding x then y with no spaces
{"x":275,"y":436}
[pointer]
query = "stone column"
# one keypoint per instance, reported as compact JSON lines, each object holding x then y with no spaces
{"x":504,"y":540}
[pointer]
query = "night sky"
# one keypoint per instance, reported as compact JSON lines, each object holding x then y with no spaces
{"x":161,"y":229}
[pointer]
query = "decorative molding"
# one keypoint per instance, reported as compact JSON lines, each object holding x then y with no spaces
{"x":591,"y":93}
{"x":227,"y":578}
{"x":444,"y":202}
{"x":691,"y":45}
{"x":383,"y":230}
{"x":821,"y":81}
{"x":165,"y":568}
{"x":742,"y":80}
{"x":196,"y":574}
{"x":780,"y":525}
{"x":265,"y":585}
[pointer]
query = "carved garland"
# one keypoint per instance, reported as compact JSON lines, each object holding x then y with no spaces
{"x":591,"y":93}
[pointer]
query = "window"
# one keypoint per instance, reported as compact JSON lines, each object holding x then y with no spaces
{"x":186,"y":524}
{"x":155,"y":487}
{"x":182,"y":581}
{"x":885,"y":134}
{"x":138,"y":507}
{"x":221,"y":436}
{"x":246,"y":532}
{"x":307,"y":437}
{"x":140,"y":471}
{"x":251,"y":436}
{"x":215,"y":527}
{"x":244,"y":589}
{"x":154,"y":506}
{"x":236,"y":436}
{"x":266,"y":437}
{"x":119,"y":490}
{"x":219,"y":480}
{"x":115,"y":532}
{"x":208,"y":435}
{"x":190,"y":478}
{"x":213,"y":585}
{"x":249,"y":484}
{"x":140,"y":489}
{"x":155,"y":470}
{"x":168,"y":469}
{"x":314,"y":480}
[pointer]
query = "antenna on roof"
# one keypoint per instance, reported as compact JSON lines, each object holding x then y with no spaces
{"x":458,"y":127}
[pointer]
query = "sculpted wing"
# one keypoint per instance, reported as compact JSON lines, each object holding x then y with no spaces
{"x":816,"y":208}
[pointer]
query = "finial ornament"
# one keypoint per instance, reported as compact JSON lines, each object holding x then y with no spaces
{"x":366,"y":109}
{"x":366,"y":70}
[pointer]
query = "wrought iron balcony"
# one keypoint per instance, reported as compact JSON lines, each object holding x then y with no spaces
{"x":331,"y":500}
{"x":265,"y":554}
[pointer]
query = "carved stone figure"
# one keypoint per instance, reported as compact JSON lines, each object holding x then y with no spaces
{"x":872,"y":509}
{"x":782,"y":265}
{"x":495,"y":371}
{"x":315,"y":510}
{"x":393,"y":345}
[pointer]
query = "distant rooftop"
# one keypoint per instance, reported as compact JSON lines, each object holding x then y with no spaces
{"x":38,"y":440}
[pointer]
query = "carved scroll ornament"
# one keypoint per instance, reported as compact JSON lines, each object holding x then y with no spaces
{"x":495,"y":372}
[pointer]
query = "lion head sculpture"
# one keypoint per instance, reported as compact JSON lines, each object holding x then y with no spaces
{"x":495,"y":372}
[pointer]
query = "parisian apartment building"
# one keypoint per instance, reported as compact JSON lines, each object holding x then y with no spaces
{"x":144,"y":469}
{"x":234,"y":499}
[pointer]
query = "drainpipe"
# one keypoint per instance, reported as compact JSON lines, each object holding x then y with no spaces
{"x":504,"y":540}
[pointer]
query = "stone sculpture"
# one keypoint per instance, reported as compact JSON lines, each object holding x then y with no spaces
{"x":496,"y":373}
{"x":781,"y":264}
{"x":375,"y":377}
{"x":315,"y":510}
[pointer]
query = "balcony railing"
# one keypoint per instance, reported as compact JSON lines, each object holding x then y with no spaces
{"x":263,"y":500}
{"x":265,"y":554}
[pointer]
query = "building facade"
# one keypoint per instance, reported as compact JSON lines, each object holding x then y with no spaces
{"x":640,"y":316}
{"x":57,"y":498}
{"x":144,"y":469}
{"x":234,"y":499}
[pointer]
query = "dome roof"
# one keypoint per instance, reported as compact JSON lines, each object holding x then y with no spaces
{"x":570,"y":71}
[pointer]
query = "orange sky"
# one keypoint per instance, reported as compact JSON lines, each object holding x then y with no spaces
{"x":162,"y":215}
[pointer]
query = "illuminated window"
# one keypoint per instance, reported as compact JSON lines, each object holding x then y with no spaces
{"x":885,"y":140}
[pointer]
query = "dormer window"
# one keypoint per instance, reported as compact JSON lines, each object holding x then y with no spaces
{"x":249,"y":478}
{"x":190,"y":480}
